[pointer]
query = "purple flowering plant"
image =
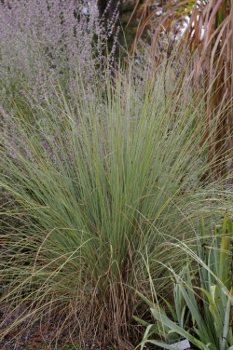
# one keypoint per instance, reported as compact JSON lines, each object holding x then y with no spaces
{"x":43,"y":40}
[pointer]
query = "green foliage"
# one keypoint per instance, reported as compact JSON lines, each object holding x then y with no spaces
{"x":202,"y":310}
{"x":102,"y":180}
{"x":99,"y":182}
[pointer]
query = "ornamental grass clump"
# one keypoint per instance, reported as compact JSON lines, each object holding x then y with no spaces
{"x":96,"y":183}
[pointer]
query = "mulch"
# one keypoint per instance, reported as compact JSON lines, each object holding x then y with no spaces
{"x":35,"y":336}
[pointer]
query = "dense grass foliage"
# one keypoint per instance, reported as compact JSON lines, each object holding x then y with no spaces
{"x":99,"y":183}
{"x":102,"y":175}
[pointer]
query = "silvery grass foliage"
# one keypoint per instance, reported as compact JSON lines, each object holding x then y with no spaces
{"x":41,"y":39}
{"x":202,"y":311}
{"x":97,"y":185}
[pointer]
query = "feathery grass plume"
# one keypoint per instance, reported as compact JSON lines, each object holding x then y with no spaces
{"x":43,"y":39}
{"x":99,"y":182}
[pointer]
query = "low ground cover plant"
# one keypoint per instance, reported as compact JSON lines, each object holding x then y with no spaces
{"x":202,"y":310}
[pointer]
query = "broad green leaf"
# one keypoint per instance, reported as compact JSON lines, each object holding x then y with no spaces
{"x":173,"y":326}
